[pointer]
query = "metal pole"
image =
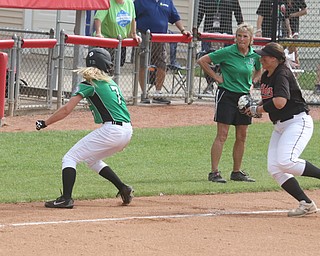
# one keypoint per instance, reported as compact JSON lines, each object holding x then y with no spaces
{"x":60,"y":69}
{"x":117,"y":57}
{"x":17,"y":75}
{"x":190,"y":72}
{"x":50,"y":71}
{"x":11,"y":82}
{"x":146,"y":63}
{"x":136,"y":73}
{"x":79,"y":29}
{"x":274,"y":20}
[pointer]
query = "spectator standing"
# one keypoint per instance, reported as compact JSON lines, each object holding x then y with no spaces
{"x":293,"y":9}
{"x":240,"y":67}
{"x":154,"y":15}
{"x":119,"y":19}
{"x":264,"y":21}
{"x":217,"y":15}
{"x":109,"y":109}
{"x":293,"y":127}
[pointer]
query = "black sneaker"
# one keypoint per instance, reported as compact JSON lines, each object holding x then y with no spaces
{"x":144,"y":100}
{"x":216,"y":177}
{"x":241,"y":176}
{"x":60,"y":202}
{"x":126,"y":194}
{"x":161,"y":100}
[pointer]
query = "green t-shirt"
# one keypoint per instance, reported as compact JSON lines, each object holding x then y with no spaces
{"x":117,"y":19}
{"x":106,"y":101}
{"x":236,"y":68}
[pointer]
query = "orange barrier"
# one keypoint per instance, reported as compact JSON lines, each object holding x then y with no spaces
{"x":92,"y":41}
{"x":229,"y":39}
{"x":6,"y":44}
{"x":38,"y":43}
{"x":170,"y":38}
{"x":3,"y":70}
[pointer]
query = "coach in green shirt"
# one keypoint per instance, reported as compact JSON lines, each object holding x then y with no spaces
{"x":239,"y":65}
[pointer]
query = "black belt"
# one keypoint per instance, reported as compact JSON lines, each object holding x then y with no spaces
{"x":287,"y":118}
{"x":283,"y":120}
{"x":117,"y":123}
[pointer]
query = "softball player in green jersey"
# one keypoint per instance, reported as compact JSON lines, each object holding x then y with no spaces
{"x":108,"y":108}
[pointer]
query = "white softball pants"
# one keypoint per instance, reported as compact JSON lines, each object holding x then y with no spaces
{"x":288,"y":140}
{"x":97,"y":145}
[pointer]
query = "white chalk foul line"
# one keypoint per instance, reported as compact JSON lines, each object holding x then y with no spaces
{"x":177,"y":216}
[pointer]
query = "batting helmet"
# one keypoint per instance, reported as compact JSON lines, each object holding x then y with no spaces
{"x":99,"y":58}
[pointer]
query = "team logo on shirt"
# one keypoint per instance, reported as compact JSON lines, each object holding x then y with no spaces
{"x":164,"y":5}
{"x":123,"y":18}
{"x":266,"y":91}
{"x":250,"y":62}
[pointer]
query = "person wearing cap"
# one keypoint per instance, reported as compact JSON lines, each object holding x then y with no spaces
{"x":108,"y":108}
{"x":293,"y":126}
{"x":240,"y":67}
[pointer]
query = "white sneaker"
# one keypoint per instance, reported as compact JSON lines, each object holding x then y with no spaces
{"x":303,"y":209}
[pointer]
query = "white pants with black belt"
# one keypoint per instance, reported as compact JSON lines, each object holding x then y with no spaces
{"x":97,"y":145}
{"x":288,"y":140}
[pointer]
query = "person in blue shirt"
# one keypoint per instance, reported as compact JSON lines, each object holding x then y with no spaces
{"x":154,"y":15}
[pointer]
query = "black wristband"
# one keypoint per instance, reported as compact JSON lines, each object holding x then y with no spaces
{"x":182,"y":31}
{"x":269,"y":106}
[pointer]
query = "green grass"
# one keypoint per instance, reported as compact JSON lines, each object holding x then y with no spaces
{"x":168,"y":161}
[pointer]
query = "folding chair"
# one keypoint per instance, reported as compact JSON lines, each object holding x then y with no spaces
{"x":179,"y":78}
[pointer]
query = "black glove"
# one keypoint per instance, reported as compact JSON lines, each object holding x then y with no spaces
{"x":40,"y":124}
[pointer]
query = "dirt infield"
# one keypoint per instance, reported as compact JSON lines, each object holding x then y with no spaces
{"x":227,"y":224}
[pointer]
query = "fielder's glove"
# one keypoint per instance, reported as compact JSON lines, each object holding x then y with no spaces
{"x":40,"y":124}
{"x":248,"y":106}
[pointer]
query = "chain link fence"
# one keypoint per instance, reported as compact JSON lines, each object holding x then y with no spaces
{"x":292,"y":23}
{"x":38,"y":68}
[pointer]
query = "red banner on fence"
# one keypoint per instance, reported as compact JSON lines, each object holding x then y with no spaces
{"x":56,"y":5}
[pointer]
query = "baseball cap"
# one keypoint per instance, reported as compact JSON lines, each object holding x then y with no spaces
{"x":272,"y":49}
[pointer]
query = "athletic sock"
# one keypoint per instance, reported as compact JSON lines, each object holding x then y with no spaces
{"x":68,"y":180}
{"x":311,"y":171}
{"x":293,"y":188}
{"x":107,"y":173}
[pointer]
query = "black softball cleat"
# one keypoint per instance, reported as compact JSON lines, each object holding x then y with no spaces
{"x":60,"y":202}
{"x":126,"y":194}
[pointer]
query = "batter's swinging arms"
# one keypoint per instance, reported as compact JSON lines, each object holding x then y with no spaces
{"x":108,"y":108}
{"x":293,"y":126}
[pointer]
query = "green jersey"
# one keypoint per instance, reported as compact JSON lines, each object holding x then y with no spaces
{"x":236,"y":68}
{"x":106,"y":101}
{"x":117,"y":19}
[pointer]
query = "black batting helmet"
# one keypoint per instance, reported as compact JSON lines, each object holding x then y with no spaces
{"x":99,"y":58}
